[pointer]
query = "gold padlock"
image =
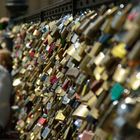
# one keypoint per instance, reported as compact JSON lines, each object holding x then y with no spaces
{"x":134,"y":80}
{"x":81,"y":112}
{"x":92,"y":101}
{"x":87,"y":97}
{"x":94,"y":113}
{"x":99,"y":58}
{"x":47,"y":67}
{"x":50,"y":39}
{"x":98,"y":72}
{"x":120,"y":74}
{"x":60,"y":116}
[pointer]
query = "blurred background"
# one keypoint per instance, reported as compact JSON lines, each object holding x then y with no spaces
{"x":19,"y":7}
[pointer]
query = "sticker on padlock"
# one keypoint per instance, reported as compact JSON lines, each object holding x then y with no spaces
{"x":46,"y":132}
{"x":49,"y":105}
{"x":65,"y":100}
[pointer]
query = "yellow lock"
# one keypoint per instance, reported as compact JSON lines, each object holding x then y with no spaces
{"x":60,"y":116}
{"x":84,"y":90}
{"x":98,"y":72}
{"x":119,"y":50}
